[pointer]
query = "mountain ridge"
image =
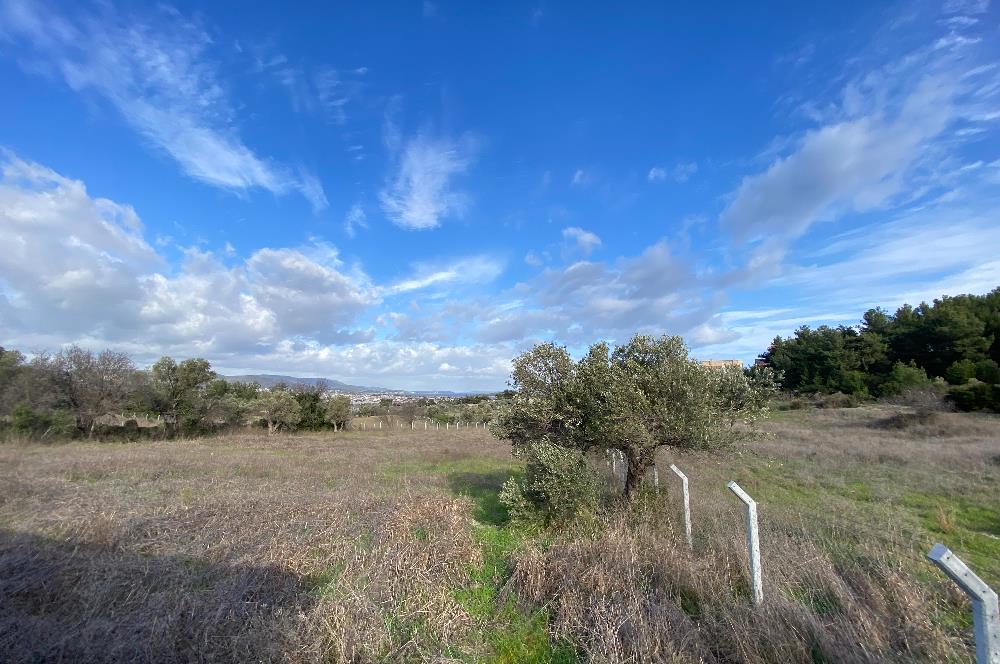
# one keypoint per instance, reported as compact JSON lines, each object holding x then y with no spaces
{"x":270,"y":380}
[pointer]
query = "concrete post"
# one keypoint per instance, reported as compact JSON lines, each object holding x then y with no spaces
{"x":753,"y":543}
{"x":985,"y":610}
{"x":687,"y":505}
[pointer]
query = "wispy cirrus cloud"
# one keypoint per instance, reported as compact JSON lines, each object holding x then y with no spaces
{"x":468,"y":270}
{"x":422,"y":193}
{"x":878,"y":145}
{"x":355,"y":218}
{"x":681,"y":172}
{"x":163,"y":82}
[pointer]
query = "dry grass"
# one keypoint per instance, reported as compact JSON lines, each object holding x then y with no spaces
{"x":364,"y":546}
{"x":241,"y":548}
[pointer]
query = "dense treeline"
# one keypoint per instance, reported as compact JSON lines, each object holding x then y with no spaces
{"x":954,"y":341}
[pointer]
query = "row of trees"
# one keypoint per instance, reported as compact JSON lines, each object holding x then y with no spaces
{"x":76,"y":391}
{"x":954,"y":339}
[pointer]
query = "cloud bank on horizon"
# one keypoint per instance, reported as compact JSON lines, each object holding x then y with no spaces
{"x":411,"y":203}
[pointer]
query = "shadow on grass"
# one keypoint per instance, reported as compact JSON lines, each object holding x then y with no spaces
{"x":484,"y":489}
{"x":95,"y":602}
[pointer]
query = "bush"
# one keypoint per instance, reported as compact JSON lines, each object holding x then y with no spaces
{"x":558,"y":486}
{"x":837,"y":400}
{"x":928,"y":398}
{"x":975,"y":396}
{"x":987,"y":371}
{"x":28,"y":422}
{"x":960,"y":372}
{"x":903,"y":377}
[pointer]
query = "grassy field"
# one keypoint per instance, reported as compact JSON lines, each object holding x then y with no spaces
{"x":375,"y":546}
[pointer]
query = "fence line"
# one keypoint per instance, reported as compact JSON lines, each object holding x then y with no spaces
{"x":753,"y":542}
{"x":985,"y":609}
{"x":687,"y":505}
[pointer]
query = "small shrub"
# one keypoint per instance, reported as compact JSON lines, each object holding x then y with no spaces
{"x":906,"y":421}
{"x":903,"y":377}
{"x":987,"y":371}
{"x":975,"y":396}
{"x":837,"y":400}
{"x":36,"y":424}
{"x":926,"y":398}
{"x":558,"y":485}
{"x":960,"y":372}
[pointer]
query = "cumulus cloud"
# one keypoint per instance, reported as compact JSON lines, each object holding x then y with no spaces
{"x":583,"y":241}
{"x":162,"y":81}
{"x":78,"y":267}
{"x":421,"y":193}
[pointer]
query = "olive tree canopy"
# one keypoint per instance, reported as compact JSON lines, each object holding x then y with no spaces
{"x":641,"y":396}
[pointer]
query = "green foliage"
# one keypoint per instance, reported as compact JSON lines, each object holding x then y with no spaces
{"x":279,"y":409}
{"x":955,"y":338}
{"x":904,"y":377}
{"x":644,"y":395}
{"x":28,"y":422}
{"x":558,"y":485}
{"x":312,"y":409}
{"x":960,"y":372}
{"x":338,"y":411}
{"x":975,"y":395}
{"x":987,"y":371}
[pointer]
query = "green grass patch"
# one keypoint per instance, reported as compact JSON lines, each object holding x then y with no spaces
{"x":513,"y":633}
{"x":324,"y":582}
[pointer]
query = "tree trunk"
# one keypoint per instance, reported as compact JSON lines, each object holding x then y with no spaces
{"x":635,"y":470}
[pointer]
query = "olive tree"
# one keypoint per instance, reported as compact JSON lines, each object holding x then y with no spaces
{"x":338,"y":411}
{"x":641,"y":396}
{"x":279,"y":408}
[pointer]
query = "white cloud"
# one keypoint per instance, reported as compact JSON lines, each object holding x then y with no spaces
{"x":583,"y":241}
{"x":681,"y":172}
{"x":881,"y":145}
{"x":78,"y":267}
{"x":580,"y":178}
{"x":422,"y":194}
{"x":355,"y":219}
{"x":162,"y":81}
{"x":466,"y":271}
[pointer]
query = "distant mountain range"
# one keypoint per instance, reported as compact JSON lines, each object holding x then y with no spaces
{"x":270,"y":380}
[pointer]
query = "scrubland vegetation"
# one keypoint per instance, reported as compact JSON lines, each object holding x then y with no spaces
{"x":367,"y":546}
{"x":400,"y":545}
{"x":952,"y":345}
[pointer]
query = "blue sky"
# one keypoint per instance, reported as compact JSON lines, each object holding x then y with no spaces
{"x":410,"y":194}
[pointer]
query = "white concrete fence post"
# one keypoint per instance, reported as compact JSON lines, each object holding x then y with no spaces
{"x":687,"y":505}
{"x":753,"y":542}
{"x":985,"y":609}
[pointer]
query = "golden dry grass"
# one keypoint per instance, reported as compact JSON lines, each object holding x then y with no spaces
{"x":238,"y":548}
{"x":365,"y":546}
